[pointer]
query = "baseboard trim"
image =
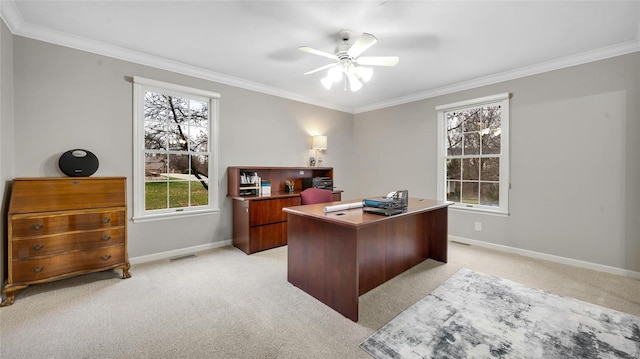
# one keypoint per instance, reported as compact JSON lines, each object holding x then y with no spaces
{"x":549,"y":257}
{"x":177,"y":252}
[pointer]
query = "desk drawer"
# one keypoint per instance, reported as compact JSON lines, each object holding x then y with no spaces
{"x":49,"y":245}
{"x":49,"y":267}
{"x":29,"y":226}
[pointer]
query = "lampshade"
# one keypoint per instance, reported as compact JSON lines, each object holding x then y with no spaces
{"x":319,"y":143}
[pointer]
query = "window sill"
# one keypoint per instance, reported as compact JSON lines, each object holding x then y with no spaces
{"x":173,"y":215}
{"x":492,"y":212}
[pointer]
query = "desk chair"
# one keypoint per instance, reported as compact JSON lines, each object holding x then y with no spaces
{"x":315,"y":195}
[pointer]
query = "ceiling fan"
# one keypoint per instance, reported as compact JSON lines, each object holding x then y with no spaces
{"x":348,"y":63}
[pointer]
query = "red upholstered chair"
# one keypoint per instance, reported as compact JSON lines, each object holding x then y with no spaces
{"x":315,"y":195}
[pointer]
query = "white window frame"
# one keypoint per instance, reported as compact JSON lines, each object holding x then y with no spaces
{"x":503,"y":101}
{"x":140,"y":86}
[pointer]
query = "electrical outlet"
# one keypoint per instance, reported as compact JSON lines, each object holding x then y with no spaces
{"x":478,"y":226}
{"x":301,"y":173}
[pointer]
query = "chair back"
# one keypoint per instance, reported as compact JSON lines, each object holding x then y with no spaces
{"x":315,"y":195}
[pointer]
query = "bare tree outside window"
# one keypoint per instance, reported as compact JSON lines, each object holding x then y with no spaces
{"x":176,"y":142}
{"x":473,"y":155}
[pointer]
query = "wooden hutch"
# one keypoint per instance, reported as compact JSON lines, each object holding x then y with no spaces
{"x":258,"y":220}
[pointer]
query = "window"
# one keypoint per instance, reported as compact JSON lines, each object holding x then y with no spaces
{"x":175,"y":150}
{"x":473,"y":154}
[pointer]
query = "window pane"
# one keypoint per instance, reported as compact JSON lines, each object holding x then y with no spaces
{"x":198,"y":139}
{"x":198,"y":193}
{"x":155,"y":107}
{"x":178,"y":193}
{"x":470,"y":192}
{"x":155,"y":135}
{"x":472,"y":143}
{"x":155,"y":195}
{"x":454,"y":135}
{"x":198,"y":114}
{"x":491,"y":117}
{"x":200,"y":166}
{"x":471,"y":169}
{"x":453,"y":169}
{"x":178,"y":167}
{"x":491,"y":142}
{"x":177,"y":137}
{"x":155,"y":166}
{"x":453,"y":191}
{"x":489,"y":194}
{"x":490,"y":170}
{"x":471,"y":120}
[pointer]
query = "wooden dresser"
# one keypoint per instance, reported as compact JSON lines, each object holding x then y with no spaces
{"x":62,"y":227}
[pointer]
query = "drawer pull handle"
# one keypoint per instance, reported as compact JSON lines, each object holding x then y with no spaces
{"x":75,"y":182}
{"x":37,"y":269}
{"x":106,"y":220}
{"x":37,"y":247}
{"x":37,"y":227}
{"x":106,"y":257}
{"x":105,"y":238}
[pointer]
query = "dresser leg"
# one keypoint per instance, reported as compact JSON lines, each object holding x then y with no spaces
{"x":125,"y":271}
{"x":8,"y":299}
{"x":10,"y":294}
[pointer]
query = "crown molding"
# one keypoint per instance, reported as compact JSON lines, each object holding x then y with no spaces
{"x":586,"y":57}
{"x":17,"y":26}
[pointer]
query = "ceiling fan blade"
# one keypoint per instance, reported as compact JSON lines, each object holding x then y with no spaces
{"x":378,"y":60}
{"x":317,"y":52}
{"x":364,"y":42}
{"x":320,"y":68}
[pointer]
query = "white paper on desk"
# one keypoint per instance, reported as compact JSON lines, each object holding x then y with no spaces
{"x":342,"y":207}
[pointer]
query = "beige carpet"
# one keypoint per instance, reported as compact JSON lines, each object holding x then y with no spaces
{"x":225,"y":304}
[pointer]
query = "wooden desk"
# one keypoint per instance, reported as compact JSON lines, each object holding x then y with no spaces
{"x":338,"y":256}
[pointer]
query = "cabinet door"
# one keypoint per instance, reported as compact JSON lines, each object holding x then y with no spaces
{"x":270,"y":210}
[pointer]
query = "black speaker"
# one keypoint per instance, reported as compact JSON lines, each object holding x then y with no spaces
{"x":78,"y":163}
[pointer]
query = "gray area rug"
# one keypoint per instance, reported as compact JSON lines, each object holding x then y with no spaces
{"x":477,"y":316}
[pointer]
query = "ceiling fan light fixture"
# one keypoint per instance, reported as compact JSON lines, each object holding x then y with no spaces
{"x":354,"y":83}
{"x":347,"y":55}
{"x":364,"y":73}
{"x":335,"y":74}
{"x":327,"y":82}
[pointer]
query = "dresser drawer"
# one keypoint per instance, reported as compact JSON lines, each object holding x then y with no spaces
{"x":49,"y":267}
{"x":28,"y":226}
{"x":49,"y":245}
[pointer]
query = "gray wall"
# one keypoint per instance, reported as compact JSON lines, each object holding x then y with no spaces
{"x":6,"y":132}
{"x":574,"y":147}
{"x":575,"y":164}
{"x":67,"y":99}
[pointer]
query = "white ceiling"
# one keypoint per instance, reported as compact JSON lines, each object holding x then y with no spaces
{"x":443,"y":46}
